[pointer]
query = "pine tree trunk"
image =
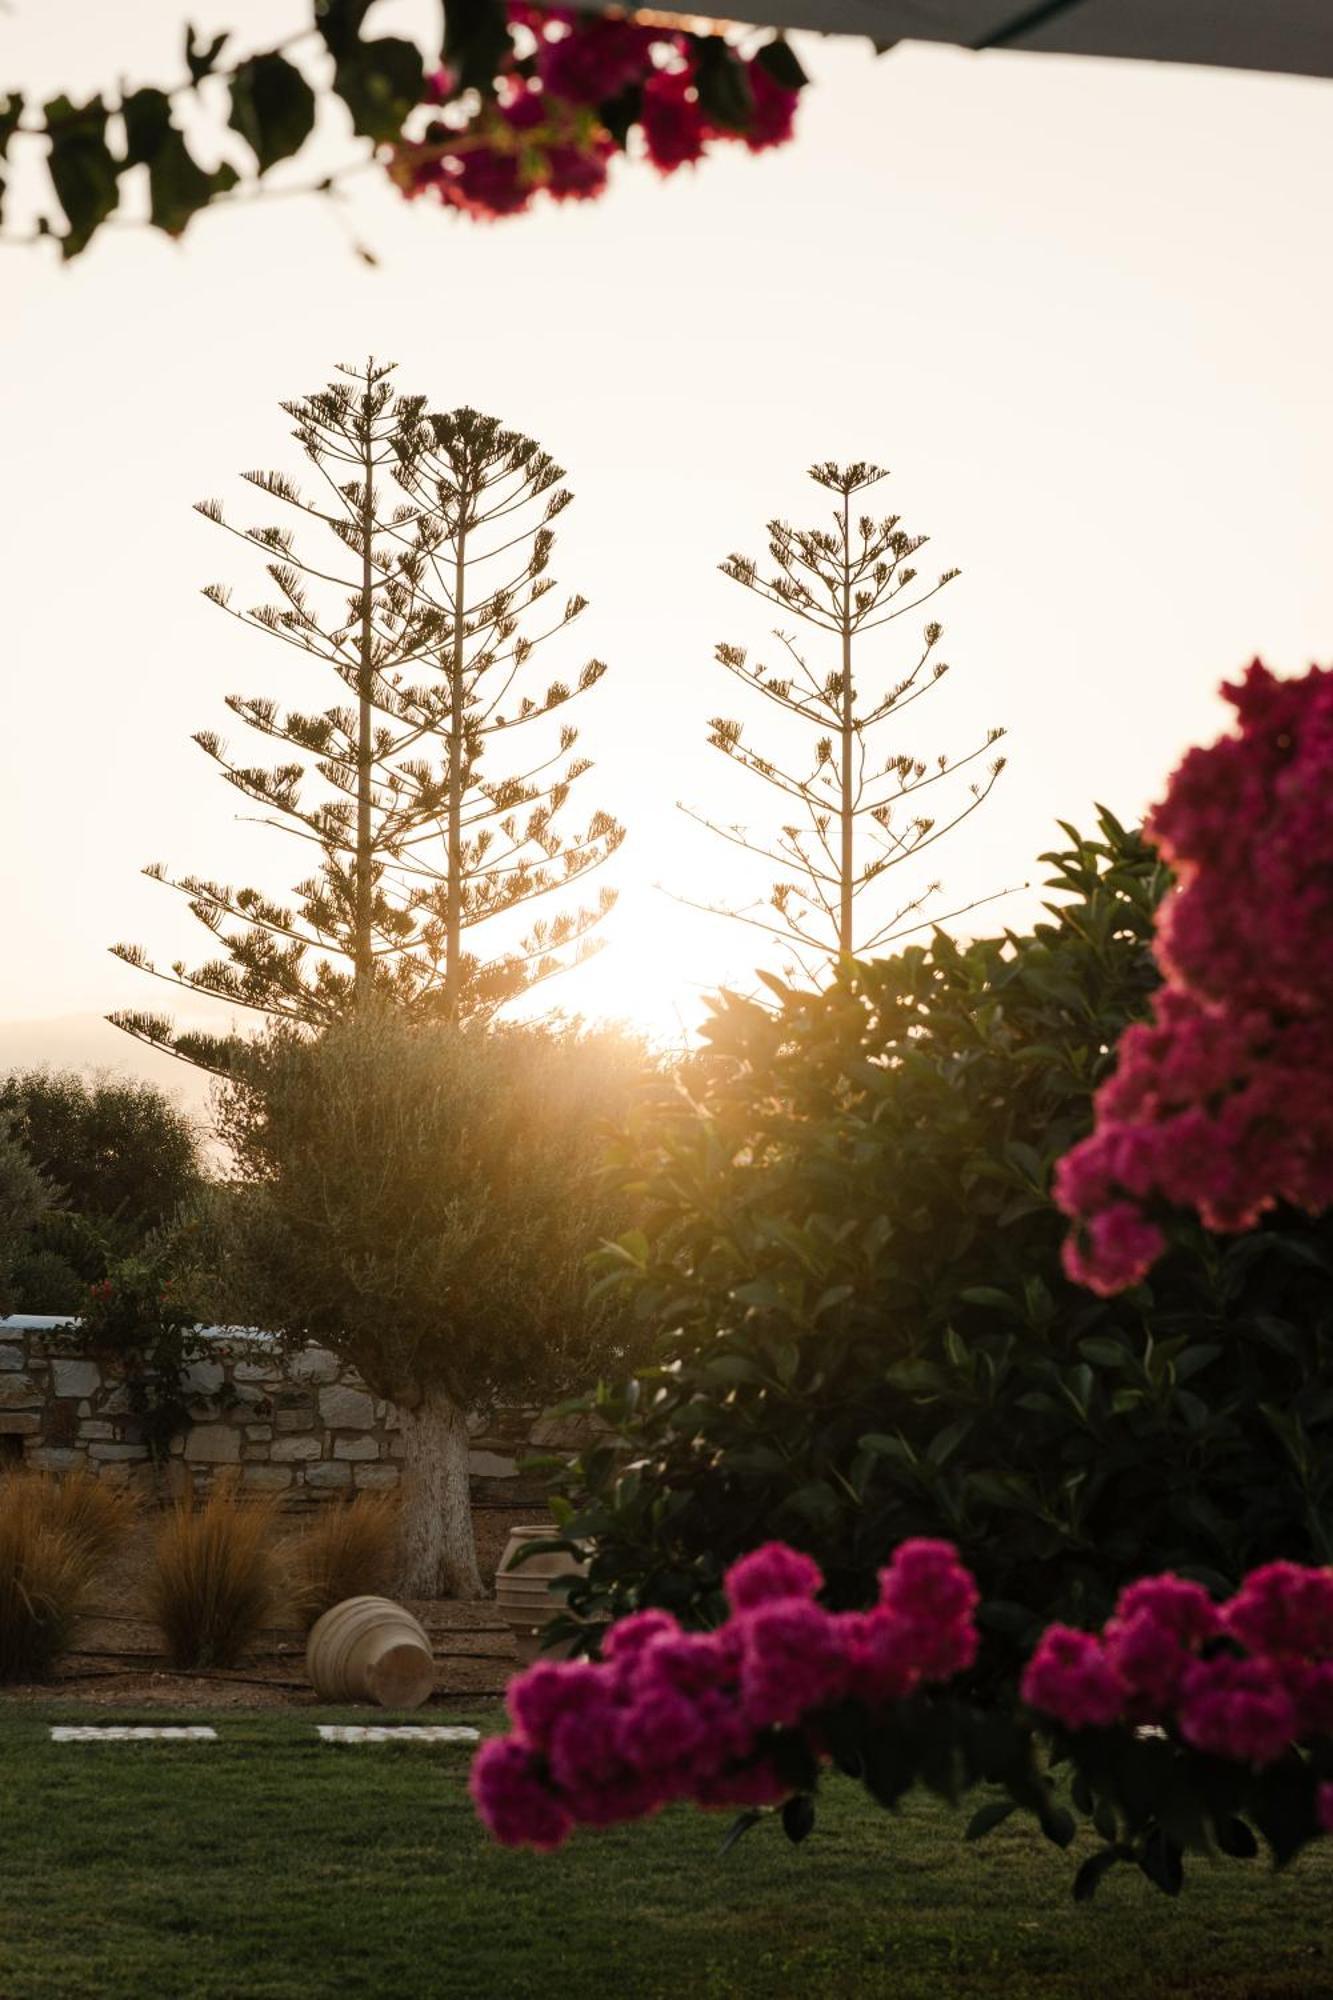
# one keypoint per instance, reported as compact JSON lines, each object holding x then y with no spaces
{"x":846,"y":814}
{"x":363,"y":943}
{"x":439,"y":1548}
{"x":453,"y":922}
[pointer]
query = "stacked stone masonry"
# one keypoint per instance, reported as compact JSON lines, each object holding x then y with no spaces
{"x":300,"y":1425}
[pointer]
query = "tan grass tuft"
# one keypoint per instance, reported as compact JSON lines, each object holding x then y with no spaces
{"x":215,"y":1580}
{"x":350,"y":1550}
{"x":44,"y":1578}
{"x":95,"y":1515}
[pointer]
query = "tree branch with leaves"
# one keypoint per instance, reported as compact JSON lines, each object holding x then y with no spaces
{"x":507,"y":102}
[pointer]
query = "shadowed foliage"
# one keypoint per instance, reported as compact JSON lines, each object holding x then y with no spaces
{"x":850,"y":1263}
{"x":423,"y":1201}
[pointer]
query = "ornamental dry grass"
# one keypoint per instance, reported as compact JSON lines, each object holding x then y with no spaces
{"x":350,"y":1550}
{"x":94,"y":1515}
{"x":54,"y":1537}
{"x":215,"y":1581}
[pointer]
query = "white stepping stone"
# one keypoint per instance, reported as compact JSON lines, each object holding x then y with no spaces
{"x":99,"y":1734}
{"x":357,"y":1732}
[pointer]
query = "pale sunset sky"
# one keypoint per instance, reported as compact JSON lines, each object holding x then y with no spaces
{"x":1080,"y":309}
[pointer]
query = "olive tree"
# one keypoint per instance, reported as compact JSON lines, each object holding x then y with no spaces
{"x":423,"y":1200}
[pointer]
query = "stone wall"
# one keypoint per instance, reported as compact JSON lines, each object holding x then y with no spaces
{"x":303,"y":1426}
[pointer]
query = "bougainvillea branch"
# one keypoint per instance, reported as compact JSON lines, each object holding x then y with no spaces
{"x":723,"y":1718}
{"x":570,"y":91}
{"x":1222,"y":1103}
{"x":1182,"y":1727}
{"x":516,"y":101}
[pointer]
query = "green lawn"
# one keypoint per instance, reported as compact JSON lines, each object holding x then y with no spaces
{"x":271,"y":1867}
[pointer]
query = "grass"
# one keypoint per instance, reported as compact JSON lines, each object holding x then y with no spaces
{"x":272,"y":1866}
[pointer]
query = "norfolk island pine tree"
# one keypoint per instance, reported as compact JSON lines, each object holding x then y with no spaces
{"x":446,"y":519}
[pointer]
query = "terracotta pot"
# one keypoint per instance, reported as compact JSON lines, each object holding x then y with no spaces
{"x":370,"y":1649}
{"x":523,"y":1597}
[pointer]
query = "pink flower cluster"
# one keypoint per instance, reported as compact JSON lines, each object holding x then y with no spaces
{"x":1163,"y":1658}
{"x":668,"y":1714}
{"x":569,"y":89}
{"x":1223,"y":1102}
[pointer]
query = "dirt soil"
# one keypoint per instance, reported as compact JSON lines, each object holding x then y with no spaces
{"x":117,"y":1661}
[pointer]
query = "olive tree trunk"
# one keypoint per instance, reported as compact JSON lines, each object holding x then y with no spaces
{"x":439,"y":1549}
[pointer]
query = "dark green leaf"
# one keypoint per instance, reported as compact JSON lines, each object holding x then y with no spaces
{"x":621,"y":114}
{"x":990,"y":1295}
{"x":147,"y":116}
{"x":1106,"y":1353}
{"x":733,"y":1368}
{"x":798,"y":1817}
{"x":272,"y":107}
{"x":987,"y":1818}
{"x":339,"y":22}
{"x":1057,"y":1823}
{"x":890,"y":1766}
{"x":796,"y":1763}
{"x":815,"y":1503}
{"x":200,"y":56}
{"x":1161,"y":1860}
{"x":178,"y":186}
{"x":724,"y":89}
{"x":380,"y":82}
{"x":1235,"y":1838}
{"x":946,"y":1442}
{"x":1092,"y":1871}
{"x":782,"y":63}
{"x":1283,"y":1809}
{"x":739,"y":1827}
{"x":11,"y":111}
{"x":82,"y":169}
{"x":476,"y":39}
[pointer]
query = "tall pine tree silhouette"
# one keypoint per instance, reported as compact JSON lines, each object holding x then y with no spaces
{"x":853,"y":814}
{"x":437,"y":539}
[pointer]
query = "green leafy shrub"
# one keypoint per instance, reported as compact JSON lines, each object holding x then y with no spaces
{"x":117,"y":1161}
{"x":25,"y":1200}
{"x":850,"y":1262}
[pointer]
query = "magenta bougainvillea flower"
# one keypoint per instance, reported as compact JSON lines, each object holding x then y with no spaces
{"x":1243,"y":1680}
{"x":571,"y":90}
{"x":1222,"y":1102}
{"x":712,"y":1717}
{"x":668,"y":1714}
